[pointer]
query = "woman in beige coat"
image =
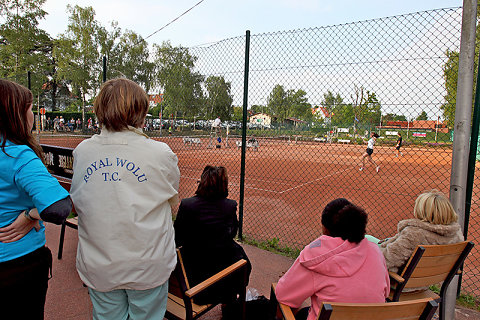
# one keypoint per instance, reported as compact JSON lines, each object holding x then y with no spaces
{"x":435,"y":222}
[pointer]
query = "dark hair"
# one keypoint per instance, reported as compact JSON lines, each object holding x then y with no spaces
{"x":121,"y":103}
{"x":15,"y":100}
{"x":345,"y":220}
{"x":375,"y":135}
{"x":213,"y":183}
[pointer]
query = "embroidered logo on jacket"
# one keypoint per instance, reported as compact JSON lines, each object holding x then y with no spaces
{"x":123,"y":164}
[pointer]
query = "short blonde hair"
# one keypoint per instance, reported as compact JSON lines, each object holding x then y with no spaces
{"x":121,"y":103}
{"x":434,"y":207}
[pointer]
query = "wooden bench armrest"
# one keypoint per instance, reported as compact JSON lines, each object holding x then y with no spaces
{"x":286,"y":311}
{"x":216,"y":277}
{"x":396,"y":277}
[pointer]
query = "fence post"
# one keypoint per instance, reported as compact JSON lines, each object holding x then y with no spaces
{"x":472,"y":158}
{"x":104,"y":68}
{"x":463,"y":114}
{"x":244,"y":134}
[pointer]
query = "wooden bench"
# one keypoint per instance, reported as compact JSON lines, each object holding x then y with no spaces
{"x":429,"y":265}
{"x":191,"y":141}
{"x":253,"y":145}
{"x":423,"y":309}
{"x":180,"y":295}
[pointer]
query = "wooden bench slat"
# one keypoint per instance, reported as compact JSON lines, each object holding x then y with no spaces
{"x":218,"y":276}
{"x":176,"y":306}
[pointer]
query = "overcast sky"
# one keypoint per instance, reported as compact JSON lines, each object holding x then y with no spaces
{"x":214,"y":20}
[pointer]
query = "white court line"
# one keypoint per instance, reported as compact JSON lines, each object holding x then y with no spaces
{"x":304,"y":184}
{"x":284,"y":191}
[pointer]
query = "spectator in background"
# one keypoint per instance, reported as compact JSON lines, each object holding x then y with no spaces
{"x":79,"y":124}
{"x":28,"y":195}
{"x":340,"y":266}
{"x":56,"y":124}
{"x":126,"y":246}
{"x":49,"y":124}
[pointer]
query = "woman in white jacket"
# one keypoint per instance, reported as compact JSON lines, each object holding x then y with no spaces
{"x":123,"y":187}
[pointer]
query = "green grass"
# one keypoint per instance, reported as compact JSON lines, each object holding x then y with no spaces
{"x":464,"y":300}
{"x":273,"y":245}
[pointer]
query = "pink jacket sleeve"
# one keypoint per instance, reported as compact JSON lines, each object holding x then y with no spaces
{"x":295,"y":286}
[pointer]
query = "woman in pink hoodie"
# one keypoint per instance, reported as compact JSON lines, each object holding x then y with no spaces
{"x":340,"y":266}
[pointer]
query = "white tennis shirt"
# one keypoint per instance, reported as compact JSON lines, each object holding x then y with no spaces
{"x":370,"y":143}
{"x":121,"y":188}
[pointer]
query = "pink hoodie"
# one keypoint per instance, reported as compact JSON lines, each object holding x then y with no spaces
{"x":336,"y":270}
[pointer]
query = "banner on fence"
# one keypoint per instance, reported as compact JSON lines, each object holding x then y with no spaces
{"x":420,"y":134}
{"x":342,"y":130}
{"x":391,"y":133}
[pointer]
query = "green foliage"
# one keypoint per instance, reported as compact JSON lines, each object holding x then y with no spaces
{"x":465,"y":300}
{"x":131,"y":60}
{"x":155,"y":111}
{"x":450,"y":74}
{"x":77,"y":51}
{"x":219,"y":100}
{"x":237,"y":113}
{"x":257,"y":109}
{"x":392,"y":117}
{"x":181,"y":86}
{"x":422,"y":116}
{"x":291,"y":103}
{"x":23,"y":46}
{"x":366,"y":106}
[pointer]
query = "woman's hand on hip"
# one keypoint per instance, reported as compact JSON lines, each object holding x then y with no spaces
{"x":18,"y":229}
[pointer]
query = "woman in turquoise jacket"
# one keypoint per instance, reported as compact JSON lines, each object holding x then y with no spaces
{"x":28,"y":195}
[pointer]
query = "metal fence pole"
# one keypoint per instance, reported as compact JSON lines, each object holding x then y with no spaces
{"x":244,"y":134}
{"x":104,"y":68}
{"x":471,"y":162}
{"x":463,"y":114}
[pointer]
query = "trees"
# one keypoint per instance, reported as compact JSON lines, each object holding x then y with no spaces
{"x":77,"y":53}
{"x":292,"y":103}
{"x":393,"y":117}
{"x":366,"y":107}
{"x":422,"y":116}
{"x":23,"y":46}
{"x":132,"y":60}
{"x":277,"y":104}
{"x":219,"y":100}
{"x":298,"y":105}
{"x":341,"y":114}
{"x":181,"y":86}
{"x":450,"y":75}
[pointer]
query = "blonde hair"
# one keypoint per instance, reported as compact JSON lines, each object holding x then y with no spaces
{"x":121,"y":103}
{"x":434,"y":207}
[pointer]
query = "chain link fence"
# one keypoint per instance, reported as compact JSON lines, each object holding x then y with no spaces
{"x":314,"y":97}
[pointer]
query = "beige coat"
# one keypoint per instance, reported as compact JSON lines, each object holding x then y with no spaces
{"x":122,"y":187}
{"x":413,"y":232}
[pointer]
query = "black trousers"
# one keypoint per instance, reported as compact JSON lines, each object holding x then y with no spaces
{"x":23,"y":285}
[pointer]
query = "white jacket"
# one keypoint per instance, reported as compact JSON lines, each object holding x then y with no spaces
{"x":121,"y":188}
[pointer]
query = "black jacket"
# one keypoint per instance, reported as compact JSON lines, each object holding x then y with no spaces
{"x":205,"y":229}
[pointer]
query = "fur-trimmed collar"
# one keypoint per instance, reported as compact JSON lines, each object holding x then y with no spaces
{"x":440,"y":229}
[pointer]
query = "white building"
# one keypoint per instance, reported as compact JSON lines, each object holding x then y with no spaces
{"x":261,"y":119}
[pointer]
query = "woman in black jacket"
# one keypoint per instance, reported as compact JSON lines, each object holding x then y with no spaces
{"x":205,"y":228}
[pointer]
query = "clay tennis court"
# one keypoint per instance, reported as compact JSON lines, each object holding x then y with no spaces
{"x":288,"y":183}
